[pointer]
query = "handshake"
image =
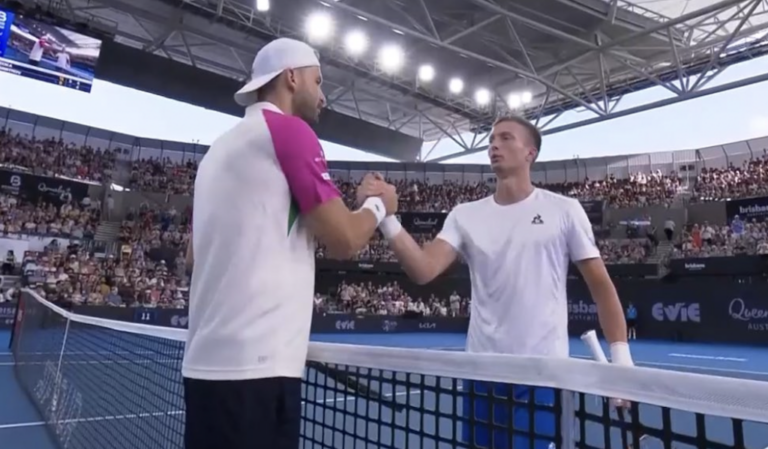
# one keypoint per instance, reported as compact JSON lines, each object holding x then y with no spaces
{"x":373,"y":184}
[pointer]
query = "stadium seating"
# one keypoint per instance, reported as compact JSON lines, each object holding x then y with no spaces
{"x":55,"y":157}
{"x":146,"y":269}
{"x":388,"y":299}
{"x":720,"y":184}
{"x":706,"y":240}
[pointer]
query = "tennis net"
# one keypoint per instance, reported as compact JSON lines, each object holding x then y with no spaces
{"x":101,"y":383}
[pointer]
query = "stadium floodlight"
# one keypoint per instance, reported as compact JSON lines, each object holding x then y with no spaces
{"x":526,"y":97}
{"x":262,"y":5}
{"x":356,"y":42}
{"x":483,"y":96}
{"x":514,"y":101}
{"x":319,"y":27}
{"x":456,"y":85}
{"x":426,"y":73}
{"x":391,"y":58}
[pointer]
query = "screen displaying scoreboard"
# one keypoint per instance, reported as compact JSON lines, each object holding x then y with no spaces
{"x":47,"y":53}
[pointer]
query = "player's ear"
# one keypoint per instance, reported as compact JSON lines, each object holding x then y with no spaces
{"x":291,"y":79}
{"x":533,"y":153}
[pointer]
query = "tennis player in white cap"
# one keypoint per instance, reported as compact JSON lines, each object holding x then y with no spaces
{"x":518,"y":244}
{"x":263,"y":194}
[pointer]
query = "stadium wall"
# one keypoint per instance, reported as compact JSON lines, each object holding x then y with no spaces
{"x":707,"y":309}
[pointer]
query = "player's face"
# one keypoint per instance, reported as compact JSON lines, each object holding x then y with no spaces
{"x":510,"y":148}
{"x":308,"y":98}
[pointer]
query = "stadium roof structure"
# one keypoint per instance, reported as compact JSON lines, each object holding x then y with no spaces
{"x":539,"y":58}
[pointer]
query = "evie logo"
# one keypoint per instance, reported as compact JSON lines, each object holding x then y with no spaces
{"x":679,"y":312}
{"x":345,"y":325}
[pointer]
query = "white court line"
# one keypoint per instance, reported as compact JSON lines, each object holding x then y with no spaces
{"x":695,"y":367}
{"x":96,"y":362}
{"x":176,"y":412}
{"x":707,"y":357}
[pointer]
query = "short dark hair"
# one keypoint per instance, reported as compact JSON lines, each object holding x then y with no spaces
{"x":533,"y":132}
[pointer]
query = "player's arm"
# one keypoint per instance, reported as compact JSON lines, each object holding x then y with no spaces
{"x":585,"y":254}
{"x":343,"y":232}
{"x":423,"y":265}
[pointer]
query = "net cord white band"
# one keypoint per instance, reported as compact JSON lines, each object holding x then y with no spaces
{"x":697,"y":393}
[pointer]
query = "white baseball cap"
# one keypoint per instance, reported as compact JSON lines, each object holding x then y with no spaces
{"x":272,"y":60}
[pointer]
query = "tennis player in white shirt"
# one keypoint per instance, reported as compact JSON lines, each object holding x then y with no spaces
{"x":518,"y":244}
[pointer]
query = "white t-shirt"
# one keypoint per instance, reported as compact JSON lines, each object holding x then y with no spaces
{"x":37,"y":51}
{"x":253,"y":283}
{"x":518,"y":258}
{"x":63,"y":60}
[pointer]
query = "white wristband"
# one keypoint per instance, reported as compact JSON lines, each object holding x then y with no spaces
{"x":375,"y":205}
{"x":620,"y":354}
{"x":390,"y":227}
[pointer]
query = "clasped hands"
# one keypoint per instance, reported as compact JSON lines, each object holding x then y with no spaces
{"x":373,"y":184}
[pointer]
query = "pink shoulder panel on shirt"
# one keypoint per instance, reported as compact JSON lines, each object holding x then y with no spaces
{"x":302,"y":160}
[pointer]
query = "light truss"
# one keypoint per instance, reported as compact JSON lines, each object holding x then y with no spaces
{"x":587,"y":70}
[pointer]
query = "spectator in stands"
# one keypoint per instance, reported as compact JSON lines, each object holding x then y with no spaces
{"x":389,"y":299}
{"x":669,"y":228}
{"x":722,"y":241}
{"x":69,"y":220}
{"x":52,"y":157}
{"x":719,"y":184}
{"x":625,"y":251}
{"x":9,"y":264}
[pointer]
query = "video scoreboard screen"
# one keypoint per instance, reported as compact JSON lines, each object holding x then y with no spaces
{"x":48,"y":53}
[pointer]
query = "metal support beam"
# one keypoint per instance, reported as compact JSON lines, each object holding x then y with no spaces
{"x":470,"y":54}
{"x":428,"y":16}
{"x":534,"y":24}
{"x":716,"y":52}
{"x":471,"y":29}
{"x":690,"y":95}
{"x":612,"y":11}
{"x":189,"y":50}
{"x":515,"y":37}
{"x":159,"y":41}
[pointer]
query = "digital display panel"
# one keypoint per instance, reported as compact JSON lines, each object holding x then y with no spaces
{"x":47,"y":53}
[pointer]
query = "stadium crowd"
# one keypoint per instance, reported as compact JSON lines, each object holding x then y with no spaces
{"x":148,"y":270}
{"x":78,"y":221}
{"x":388,"y":299}
{"x":738,"y":238}
{"x":69,"y":275}
{"x":720,"y":184}
{"x":52,"y":157}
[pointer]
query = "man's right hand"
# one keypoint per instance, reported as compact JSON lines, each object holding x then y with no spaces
{"x":390,"y":198}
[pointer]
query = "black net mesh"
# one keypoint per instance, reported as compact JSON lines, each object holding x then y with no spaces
{"x":111,"y":386}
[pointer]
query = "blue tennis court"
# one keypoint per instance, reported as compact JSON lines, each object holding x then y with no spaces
{"x":429,"y":402}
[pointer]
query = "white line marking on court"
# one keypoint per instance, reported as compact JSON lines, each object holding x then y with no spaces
{"x":94,"y":419}
{"x":707,"y":357}
{"x":695,"y":367}
{"x":97,"y":362}
{"x":178,"y":412}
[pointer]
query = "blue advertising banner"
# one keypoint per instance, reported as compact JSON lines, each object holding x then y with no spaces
{"x":6,"y":20}
{"x":7,"y":314}
{"x":747,"y":209}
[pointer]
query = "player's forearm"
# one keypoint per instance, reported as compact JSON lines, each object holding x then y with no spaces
{"x":610,"y":313}
{"x":358,"y":230}
{"x":412,"y":258}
